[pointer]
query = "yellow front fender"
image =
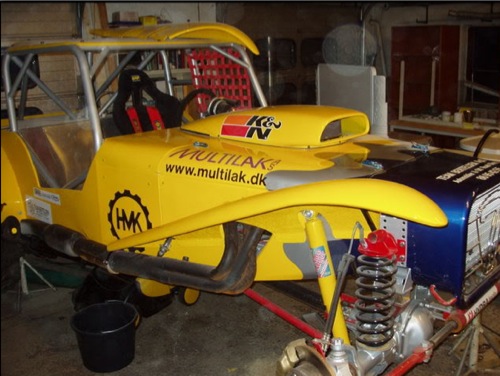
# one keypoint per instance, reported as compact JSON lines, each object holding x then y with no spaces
{"x":18,"y":175}
{"x":379,"y":196}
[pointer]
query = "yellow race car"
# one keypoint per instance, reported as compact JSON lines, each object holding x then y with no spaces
{"x":168,"y":168}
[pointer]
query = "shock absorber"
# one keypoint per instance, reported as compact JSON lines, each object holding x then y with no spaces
{"x":376,"y":277}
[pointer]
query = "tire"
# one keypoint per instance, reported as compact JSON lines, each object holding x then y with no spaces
{"x":187,"y":296}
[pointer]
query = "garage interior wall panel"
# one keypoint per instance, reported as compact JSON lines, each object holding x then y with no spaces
{"x":22,"y":21}
{"x":46,"y":21}
{"x":419,"y":47}
{"x":306,"y":24}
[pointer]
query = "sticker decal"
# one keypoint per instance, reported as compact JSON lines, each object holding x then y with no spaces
{"x":47,"y":196}
{"x":321,"y":262}
{"x":246,"y":126}
{"x":226,"y":159}
{"x":127,"y":215}
{"x":38,"y":209}
{"x":477,"y":169}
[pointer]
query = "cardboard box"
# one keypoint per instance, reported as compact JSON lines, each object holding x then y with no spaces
{"x":148,"y":20}
{"x":125,"y":17}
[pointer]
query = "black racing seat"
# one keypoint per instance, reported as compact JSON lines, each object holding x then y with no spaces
{"x":158,"y":111}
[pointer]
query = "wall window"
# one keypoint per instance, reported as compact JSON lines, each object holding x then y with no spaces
{"x":483,"y":66}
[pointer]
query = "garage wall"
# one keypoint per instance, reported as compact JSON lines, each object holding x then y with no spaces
{"x":48,"y":21}
{"x":299,"y":21}
{"x":289,"y":35}
{"x":37,"y":20}
{"x":175,"y":12}
{"x":347,"y":24}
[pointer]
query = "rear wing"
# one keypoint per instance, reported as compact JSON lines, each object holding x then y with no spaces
{"x":185,"y":33}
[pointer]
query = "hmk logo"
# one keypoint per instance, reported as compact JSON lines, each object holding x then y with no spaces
{"x":127,"y":221}
{"x":127,"y":215}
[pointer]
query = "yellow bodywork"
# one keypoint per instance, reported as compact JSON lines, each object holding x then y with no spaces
{"x":194,"y":32}
{"x":384,"y":197}
{"x":168,"y":193}
{"x":181,"y":184}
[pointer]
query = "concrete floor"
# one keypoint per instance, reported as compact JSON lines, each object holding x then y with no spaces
{"x":219,"y":335}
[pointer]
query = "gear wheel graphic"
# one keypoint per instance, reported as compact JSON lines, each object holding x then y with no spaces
{"x":126,"y":194}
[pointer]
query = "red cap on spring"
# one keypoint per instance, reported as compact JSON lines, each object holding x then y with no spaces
{"x":379,"y":243}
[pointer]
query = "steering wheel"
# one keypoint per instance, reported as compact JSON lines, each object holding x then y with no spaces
{"x":190,"y":97}
{"x":217,"y":105}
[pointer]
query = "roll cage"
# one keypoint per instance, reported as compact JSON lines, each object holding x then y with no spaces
{"x":120,"y":46}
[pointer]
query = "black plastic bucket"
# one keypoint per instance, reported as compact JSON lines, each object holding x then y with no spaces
{"x":106,"y":335}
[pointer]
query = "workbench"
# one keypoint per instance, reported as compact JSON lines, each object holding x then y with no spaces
{"x":443,"y":134}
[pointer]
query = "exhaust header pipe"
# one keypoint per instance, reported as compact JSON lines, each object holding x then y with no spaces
{"x":233,"y":275}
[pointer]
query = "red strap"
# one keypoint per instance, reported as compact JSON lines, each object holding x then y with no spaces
{"x":134,"y":119}
{"x":155,"y":117}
